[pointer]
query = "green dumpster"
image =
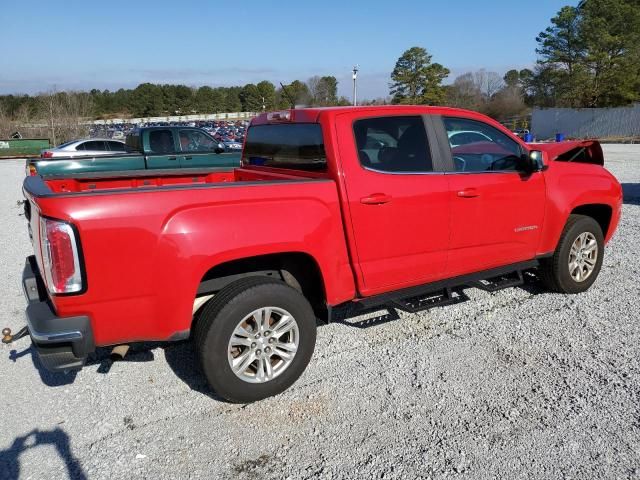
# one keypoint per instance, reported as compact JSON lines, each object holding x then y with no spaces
{"x":23,"y":147}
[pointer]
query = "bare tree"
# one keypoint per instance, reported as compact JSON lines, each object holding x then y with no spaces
{"x":66,"y":114}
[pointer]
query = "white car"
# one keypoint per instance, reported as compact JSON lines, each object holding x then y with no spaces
{"x":90,"y":147}
{"x":463,"y":137}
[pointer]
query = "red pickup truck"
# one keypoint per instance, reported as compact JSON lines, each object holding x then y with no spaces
{"x":374,"y":206}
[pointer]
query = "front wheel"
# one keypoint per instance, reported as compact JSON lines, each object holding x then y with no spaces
{"x":577,"y":260}
{"x":255,"y":338}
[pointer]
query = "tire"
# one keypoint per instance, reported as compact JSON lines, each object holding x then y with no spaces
{"x":221,"y":318}
{"x":555,"y":272}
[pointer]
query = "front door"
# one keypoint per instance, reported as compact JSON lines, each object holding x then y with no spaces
{"x":398,"y":200}
{"x":497,"y":208}
{"x":198,"y":150}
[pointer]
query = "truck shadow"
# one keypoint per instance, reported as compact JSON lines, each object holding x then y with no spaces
{"x":631,"y":193}
{"x":57,"y":438}
{"x":182,"y":358}
{"x":48,"y":378}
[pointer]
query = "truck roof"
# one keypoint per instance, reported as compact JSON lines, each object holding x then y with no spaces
{"x":313,"y":114}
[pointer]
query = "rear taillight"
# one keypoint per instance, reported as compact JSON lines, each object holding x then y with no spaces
{"x":47,"y":154}
{"x":61,"y":262}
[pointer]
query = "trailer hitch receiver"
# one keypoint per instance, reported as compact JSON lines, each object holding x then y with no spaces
{"x":8,"y":338}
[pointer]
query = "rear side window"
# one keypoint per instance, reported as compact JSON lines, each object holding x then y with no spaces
{"x":297,"y":146}
{"x":93,"y":146}
{"x":393,"y":144}
{"x":116,"y":146}
{"x":161,"y":141}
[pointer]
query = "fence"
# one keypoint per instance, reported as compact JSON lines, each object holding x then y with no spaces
{"x":612,"y":123}
{"x":180,"y":118}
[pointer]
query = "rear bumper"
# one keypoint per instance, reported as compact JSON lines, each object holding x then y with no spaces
{"x":62,"y":343}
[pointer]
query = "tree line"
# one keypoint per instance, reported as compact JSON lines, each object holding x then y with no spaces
{"x":150,"y":99}
{"x":588,"y":57}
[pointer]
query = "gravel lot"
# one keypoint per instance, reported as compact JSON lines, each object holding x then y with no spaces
{"x":516,"y":384}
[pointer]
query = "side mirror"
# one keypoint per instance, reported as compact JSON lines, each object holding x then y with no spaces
{"x":536,"y":160}
{"x":533,"y":162}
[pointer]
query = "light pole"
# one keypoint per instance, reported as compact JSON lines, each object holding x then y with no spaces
{"x":355,"y":76}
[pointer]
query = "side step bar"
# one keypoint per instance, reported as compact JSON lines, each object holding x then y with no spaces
{"x":425,"y":302}
{"x":429,"y":295}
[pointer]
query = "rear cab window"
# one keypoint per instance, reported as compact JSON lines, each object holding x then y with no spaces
{"x":297,"y":146}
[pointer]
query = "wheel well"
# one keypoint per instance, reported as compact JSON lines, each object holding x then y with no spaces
{"x":299,"y":270}
{"x":599,"y":212}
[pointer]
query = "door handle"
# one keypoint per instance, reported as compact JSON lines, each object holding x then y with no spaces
{"x":469,"y":193}
{"x":376,"y":199}
{"x":173,"y":158}
{"x":188,"y":158}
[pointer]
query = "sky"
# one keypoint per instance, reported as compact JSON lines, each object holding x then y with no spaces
{"x":80,"y":45}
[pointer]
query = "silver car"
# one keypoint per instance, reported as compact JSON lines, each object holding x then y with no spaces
{"x":90,"y":147}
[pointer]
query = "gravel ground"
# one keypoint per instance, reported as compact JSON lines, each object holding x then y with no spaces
{"x":516,"y":384}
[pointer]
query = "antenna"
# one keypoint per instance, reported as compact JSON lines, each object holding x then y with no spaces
{"x":288,"y":95}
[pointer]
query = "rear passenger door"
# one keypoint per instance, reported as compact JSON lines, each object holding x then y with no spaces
{"x":398,"y":200}
{"x":162,"y":149}
{"x":497,"y":206}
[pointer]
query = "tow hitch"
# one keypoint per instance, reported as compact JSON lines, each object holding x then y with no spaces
{"x":8,"y":338}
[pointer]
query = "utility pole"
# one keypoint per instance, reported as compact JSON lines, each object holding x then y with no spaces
{"x":355,"y":76}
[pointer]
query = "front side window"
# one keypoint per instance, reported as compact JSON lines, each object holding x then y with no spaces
{"x":297,"y":146}
{"x":393,"y":144}
{"x":195,"y":141}
{"x":478,"y":147}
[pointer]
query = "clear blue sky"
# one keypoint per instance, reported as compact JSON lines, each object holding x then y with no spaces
{"x":112,"y":44}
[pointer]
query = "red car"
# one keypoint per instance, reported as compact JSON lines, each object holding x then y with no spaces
{"x":369,"y":206}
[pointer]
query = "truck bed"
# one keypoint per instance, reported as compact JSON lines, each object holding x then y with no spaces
{"x":150,"y":180}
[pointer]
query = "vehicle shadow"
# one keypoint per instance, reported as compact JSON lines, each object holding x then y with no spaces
{"x":48,"y":378}
{"x":182,"y":357}
{"x":631,"y":193}
{"x":58,"y":438}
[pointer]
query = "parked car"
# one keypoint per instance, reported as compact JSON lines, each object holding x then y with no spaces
{"x":89,"y":147}
{"x":232,"y":145}
{"x":463,"y":137}
{"x":313,"y":220}
{"x":146,"y":148}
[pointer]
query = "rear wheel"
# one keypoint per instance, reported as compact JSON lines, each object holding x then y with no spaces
{"x":255,"y":338}
{"x":576,"y":263}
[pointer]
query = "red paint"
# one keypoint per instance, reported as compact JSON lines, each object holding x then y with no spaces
{"x":145,"y":252}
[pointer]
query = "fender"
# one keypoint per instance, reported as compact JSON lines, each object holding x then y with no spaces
{"x":571,"y":185}
{"x":192,"y":242}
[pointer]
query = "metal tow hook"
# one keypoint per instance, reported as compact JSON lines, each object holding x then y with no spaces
{"x":8,"y":338}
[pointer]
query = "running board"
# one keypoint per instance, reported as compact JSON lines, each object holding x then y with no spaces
{"x":429,"y":295}
{"x":425,"y":302}
{"x":500,"y":282}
